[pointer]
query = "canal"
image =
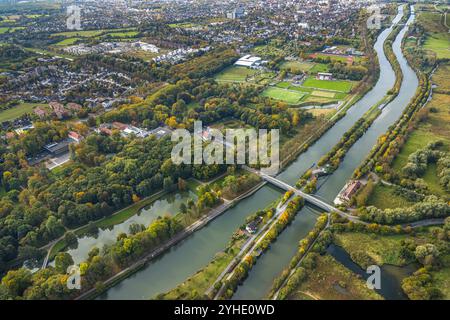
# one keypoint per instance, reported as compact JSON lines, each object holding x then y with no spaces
{"x":271,"y":264}
{"x":196,"y":251}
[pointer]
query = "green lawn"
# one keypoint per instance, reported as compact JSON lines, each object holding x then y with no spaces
{"x":288,"y":96}
{"x":235,"y":74}
{"x":335,"y":85}
{"x":17,"y":111}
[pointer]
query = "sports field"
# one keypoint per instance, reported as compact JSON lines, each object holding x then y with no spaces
{"x":288,"y":96}
{"x":235,"y":74}
{"x":334,"y":85}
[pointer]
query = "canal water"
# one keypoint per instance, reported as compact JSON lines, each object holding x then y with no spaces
{"x":190,"y":255}
{"x":168,"y":204}
{"x":196,"y":251}
{"x":260,"y":278}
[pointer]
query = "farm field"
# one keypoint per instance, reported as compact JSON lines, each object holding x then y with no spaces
{"x":17,"y":111}
{"x":288,"y":96}
{"x":235,"y":74}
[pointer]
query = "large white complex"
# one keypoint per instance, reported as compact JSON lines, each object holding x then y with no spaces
{"x":248,"y":61}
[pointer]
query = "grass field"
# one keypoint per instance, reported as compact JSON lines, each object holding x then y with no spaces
{"x":328,"y":113}
{"x":17,"y":111}
{"x":438,"y":38}
{"x":297,"y":66}
{"x":334,"y":85}
{"x":235,"y":74}
{"x":434,"y":128}
{"x":288,"y":96}
{"x":319,"y":67}
{"x":67,"y":42}
{"x":332,"y":281}
{"x":440,"y":44}
{"x":383,"y":197}
{"x":91,"y":33}
{"x":125,"y":34}
{"x":324,"y":94}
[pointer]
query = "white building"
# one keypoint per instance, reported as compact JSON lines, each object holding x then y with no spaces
{"x":248,"y":61}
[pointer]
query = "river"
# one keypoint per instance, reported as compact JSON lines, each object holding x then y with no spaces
{"x":270,"y":265}
{"x":196,"y":251}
